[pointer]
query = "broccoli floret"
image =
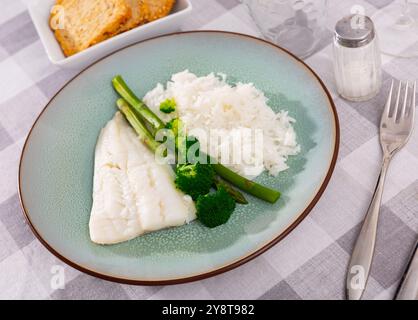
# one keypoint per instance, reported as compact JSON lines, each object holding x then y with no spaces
{"x":182,"y":141}
{"x":171,"y":124}
{"x":214,"y":209}
{"x":177,"y":127}
{"x":168,"y":105}
{"x":194,"y":179}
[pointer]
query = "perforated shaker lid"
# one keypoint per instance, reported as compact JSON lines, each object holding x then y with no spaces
{"x":354,"y":31}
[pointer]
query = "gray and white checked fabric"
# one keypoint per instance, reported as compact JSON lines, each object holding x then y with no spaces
{"x":309,"y":264}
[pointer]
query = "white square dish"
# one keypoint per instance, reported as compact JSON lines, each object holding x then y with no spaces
{"x":39,"y":11}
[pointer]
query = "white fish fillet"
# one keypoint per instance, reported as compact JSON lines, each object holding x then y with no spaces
{"x":132,"y":193}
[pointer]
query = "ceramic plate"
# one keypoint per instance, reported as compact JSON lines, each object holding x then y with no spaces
{"x":56,"y":169}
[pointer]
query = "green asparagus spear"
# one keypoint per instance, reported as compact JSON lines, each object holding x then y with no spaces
{"x":137,"y":124}
{"x":249,"y":186}
{"x":126,"y":93}
{"x":244,"y":184}
{"x":238,"y":196}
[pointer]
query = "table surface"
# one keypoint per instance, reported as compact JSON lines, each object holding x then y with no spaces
{"x":308,"y":264}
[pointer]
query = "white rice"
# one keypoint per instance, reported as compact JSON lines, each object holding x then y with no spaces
{"x":208,"y":104}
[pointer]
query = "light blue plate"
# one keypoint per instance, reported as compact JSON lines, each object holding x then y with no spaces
{"x":56,"y":169}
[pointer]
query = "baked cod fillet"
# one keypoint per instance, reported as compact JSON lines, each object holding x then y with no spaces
{"x":132,"y":193}
{"x":87,"y":22}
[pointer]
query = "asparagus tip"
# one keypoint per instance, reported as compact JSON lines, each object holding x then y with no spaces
{"x":276,"y":196}
{"x":117,"y":77}
{"x":120,"y":103}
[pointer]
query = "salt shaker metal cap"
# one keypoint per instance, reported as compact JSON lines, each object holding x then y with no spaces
{"x":354,"y":31}
{"x":357,"y":58}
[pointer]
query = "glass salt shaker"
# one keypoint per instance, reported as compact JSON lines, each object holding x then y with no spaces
{"x":357,"y":60}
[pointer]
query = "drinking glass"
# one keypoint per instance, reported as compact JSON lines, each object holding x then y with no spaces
{"x":296,"y":25}
{"x":397,"y":27}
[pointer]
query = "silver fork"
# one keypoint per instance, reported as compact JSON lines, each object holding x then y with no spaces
{"x":395,"y":129}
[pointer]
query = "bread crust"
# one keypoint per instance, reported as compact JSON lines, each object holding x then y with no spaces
{"x":138,"y":9}
{"x":156,"y":9}
{"x":144,"y":11}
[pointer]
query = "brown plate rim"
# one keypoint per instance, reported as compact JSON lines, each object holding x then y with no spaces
{"x":219,"y":270}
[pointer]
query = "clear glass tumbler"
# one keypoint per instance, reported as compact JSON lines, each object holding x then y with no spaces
{"x":296,"y":25}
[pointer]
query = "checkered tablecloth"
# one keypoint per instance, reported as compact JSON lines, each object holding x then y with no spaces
{"x":308,"y":264}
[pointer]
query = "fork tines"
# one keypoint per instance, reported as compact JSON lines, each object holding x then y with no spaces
{"x":407,"y":110}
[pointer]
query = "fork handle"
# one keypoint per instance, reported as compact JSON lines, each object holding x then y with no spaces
{"x":408,"y":289}
{"x":361,"y":258}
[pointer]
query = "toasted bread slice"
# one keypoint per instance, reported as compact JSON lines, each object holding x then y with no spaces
{"x":156,"y":9}
{"x":144,"y":11}
{"x":138,"y":10}
{"x":87,"y":22}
